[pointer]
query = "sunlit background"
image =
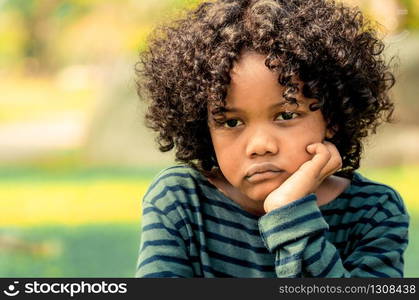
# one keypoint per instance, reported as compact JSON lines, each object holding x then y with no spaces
{"x":75,"y":157}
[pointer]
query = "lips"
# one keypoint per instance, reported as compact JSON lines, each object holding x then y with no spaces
{"x":262,"y":171}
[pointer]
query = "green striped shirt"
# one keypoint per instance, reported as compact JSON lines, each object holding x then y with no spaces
{"x":191,"y":229}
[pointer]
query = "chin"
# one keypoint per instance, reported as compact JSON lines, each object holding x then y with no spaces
{"x":258,"y":197}
{"x":261,"y":191}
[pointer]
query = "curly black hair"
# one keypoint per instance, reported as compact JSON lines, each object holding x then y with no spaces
{"x":331,"y":48}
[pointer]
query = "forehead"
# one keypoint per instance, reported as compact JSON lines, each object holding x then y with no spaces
{"x":251,"y":79}
{"x":251,"y":66}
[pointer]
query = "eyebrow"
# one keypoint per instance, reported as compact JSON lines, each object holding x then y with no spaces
{"x":224,"y":109}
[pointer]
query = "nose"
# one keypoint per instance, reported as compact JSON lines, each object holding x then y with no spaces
{"x":261,"y":142}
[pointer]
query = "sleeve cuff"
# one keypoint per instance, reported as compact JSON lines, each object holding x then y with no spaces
{"x":292,"y":222}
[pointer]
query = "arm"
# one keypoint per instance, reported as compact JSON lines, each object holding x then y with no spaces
{"x":295,"y":230}
{"x":163,"y":252}
{"x":296,"y":234}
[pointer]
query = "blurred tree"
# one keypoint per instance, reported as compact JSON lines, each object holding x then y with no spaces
{"x":412,"y":14}
{"x":41,"y":22}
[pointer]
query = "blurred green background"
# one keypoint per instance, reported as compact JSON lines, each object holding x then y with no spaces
{"x":75,"y":157}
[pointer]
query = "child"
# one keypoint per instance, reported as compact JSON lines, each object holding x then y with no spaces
{"x":266,"y":103}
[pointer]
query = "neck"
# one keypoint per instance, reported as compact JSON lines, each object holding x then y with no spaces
{"x":330,"y":189}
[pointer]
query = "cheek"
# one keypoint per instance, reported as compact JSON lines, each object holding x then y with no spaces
{"x":226,"y":152}
{"x":296,"y":147}
{"x":229,"y":160}
{"x":296,"y":158}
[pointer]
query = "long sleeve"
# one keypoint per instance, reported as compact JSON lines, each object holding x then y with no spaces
{"x":163,"y":251}
{"x":296,"y":234}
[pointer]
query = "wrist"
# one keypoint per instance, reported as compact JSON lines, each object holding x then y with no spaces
{"x":276,"y":201}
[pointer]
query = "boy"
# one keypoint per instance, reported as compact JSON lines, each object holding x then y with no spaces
{"x":267,"y":103}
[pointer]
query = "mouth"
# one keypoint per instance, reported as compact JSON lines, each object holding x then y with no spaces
{"x":263,"y":171}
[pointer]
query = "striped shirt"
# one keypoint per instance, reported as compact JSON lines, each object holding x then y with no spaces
{"x":191,"y":229}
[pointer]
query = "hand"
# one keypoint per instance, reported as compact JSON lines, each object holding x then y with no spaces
{"x":325,"y":162}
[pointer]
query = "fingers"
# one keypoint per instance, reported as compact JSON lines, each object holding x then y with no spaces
{"x":321,"y":155}
{"x":335,"y":160}
{"x":326,"y":159}
{"x":334,"y":163}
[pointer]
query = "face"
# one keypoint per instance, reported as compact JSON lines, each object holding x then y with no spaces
{"x":258,"y":133}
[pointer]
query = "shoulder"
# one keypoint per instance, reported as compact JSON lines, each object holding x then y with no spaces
{"x":179,"y":176}
{"x":180,"y":182}
{"x":381,"y":197}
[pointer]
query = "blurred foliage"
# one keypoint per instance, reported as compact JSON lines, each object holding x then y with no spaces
{"x":50,"y":34}
{"x":412,"y":17}
{"x":42,"y":36}
{"x":39,"y":22}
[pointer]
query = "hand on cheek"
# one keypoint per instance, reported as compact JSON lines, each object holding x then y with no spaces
{"x":325,"y":161}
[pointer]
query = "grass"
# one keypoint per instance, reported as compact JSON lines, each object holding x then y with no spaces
{"x":85,"y":223}
{"x":97,"y":250}
{"x":32,"y":197}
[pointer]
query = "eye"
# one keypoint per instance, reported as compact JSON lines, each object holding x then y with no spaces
{"x":232,"y":123}
{"x":287,"y":115}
